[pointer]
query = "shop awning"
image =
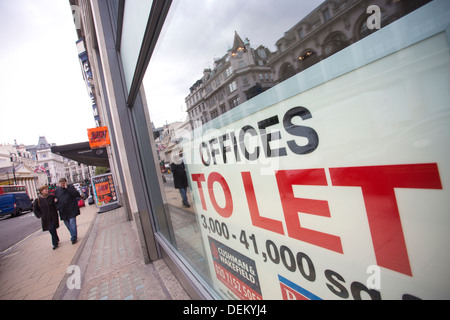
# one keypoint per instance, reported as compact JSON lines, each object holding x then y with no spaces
{"x":82,"y":153}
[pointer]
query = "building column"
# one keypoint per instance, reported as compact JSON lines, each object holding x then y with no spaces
{"x":32,"y":185}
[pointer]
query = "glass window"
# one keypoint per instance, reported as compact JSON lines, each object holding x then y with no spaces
{"x":135,"y":16}
{"x":233,"y":86}
{"x":326,"y":14}
{"x":229,"y":71}
{"x":313,"y":181}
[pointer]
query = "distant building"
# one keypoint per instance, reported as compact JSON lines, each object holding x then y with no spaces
{"x":17,"y":167}
{"x":170,"y":139}
{"x":241,"y":74}
{"x":244,"y":72}
{"x":50,"y":162}
{"x":331,"y":27}
{"x":77,"y":172}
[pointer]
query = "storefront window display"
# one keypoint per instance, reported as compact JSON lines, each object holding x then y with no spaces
{"x":314,"y":137}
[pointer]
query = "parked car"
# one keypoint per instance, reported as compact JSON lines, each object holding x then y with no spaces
{"x":15,"y":203}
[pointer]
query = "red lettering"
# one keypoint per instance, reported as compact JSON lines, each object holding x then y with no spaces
{"x":228,"y":209}
{"x":292,"y":206}
{"x":98,"y":135}
{"x":199,"y":178}
{"x":257,"y":220}
{"x":377,"y":184}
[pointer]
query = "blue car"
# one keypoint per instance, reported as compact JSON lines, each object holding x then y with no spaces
{"x":15,"y":203}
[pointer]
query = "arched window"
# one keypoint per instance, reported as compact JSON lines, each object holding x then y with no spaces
{"x":336,"y":41}
{"x":306,"y":59}
{"x":364,"y":31}
{"x":287,"y":71}
{"x":360,"y":29}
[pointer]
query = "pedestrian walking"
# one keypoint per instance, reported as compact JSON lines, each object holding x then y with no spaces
{"x":179,"y":177}
{"x":67,"y":204}
{"x":44,"y":209}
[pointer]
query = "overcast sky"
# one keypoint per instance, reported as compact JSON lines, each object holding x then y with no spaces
{"x":42,"y":92}
{"x":197,"y":31}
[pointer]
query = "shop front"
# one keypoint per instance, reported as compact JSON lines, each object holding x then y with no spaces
{"x":313,"y":139}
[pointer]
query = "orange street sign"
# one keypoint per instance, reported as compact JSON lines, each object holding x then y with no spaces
{"x":98,"y":137}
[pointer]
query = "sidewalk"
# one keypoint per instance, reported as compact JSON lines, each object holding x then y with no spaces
{"x":109,"y":258}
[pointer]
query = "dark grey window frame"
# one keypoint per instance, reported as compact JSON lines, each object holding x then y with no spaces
{"x":135,"y":129}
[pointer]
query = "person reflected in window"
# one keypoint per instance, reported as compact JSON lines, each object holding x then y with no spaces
{"x":179,"y":177}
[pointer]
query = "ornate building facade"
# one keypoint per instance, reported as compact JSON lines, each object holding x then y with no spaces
{"x":244,"y":72}
{"x":17,"y":167}
{"x":238,"y":76}
{"x":331,"y":27}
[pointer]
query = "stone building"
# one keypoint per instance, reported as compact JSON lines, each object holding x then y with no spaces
{"x":17,"y":167}
{"x":244,"y":72}
{"x":53,"y":164}
{"x":238,"y":76}
{"x":77,"y":172}
{"x":331,"y":27}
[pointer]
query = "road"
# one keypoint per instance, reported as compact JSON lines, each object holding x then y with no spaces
{"x":14,"y":230}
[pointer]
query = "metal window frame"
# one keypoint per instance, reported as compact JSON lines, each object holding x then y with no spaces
{"x":157,"y":17}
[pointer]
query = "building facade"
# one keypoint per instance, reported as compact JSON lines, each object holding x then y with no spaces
{"x":77,"y":172}
{"x":17,"y":167}
{"x":53,"y":164}
{"x":36,"y":165}
{"x":241,"y":74}
{"x":331,"y":27}
{"x":244,"y":72}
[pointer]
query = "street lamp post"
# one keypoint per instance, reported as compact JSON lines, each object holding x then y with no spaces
{"x":14,"y":168}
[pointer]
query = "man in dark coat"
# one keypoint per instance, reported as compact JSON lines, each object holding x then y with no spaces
{"x":44,"y":209}
{"x":179,"y":178}
{"x":67,"y":204}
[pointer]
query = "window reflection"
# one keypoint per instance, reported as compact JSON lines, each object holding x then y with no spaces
{"x":213,"y":57}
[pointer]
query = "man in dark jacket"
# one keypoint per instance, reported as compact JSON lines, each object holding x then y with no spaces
{"x":179,"y":178}
{"x":67,"y":204}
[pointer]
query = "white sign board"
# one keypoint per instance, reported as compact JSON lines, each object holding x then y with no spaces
{"x":338,"y":192}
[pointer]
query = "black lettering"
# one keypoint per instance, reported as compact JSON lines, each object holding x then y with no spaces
{"x":247,"y":155}
{"x":290,"y":262}
{"x":235,"y":146}
{"x":311,"y":275}
{"x":213,"y":151}
{"x":204,"y":146}
{"x":409,"y":297}
{"x":300,"y":131}
{"x":357,"y":288}
{"x":339,"y":289}
{"x":267,"y":138}
{"x":262,"y":137}
{"x":223,"y":147}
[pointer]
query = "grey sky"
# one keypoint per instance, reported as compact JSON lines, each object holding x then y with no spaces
{"x":197,"y":31}
{"x":42,"y":92}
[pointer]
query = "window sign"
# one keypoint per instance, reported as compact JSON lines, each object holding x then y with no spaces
{"x":98,"y":137}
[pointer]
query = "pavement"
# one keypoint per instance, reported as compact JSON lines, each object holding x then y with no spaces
{"x":105,"y":264}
